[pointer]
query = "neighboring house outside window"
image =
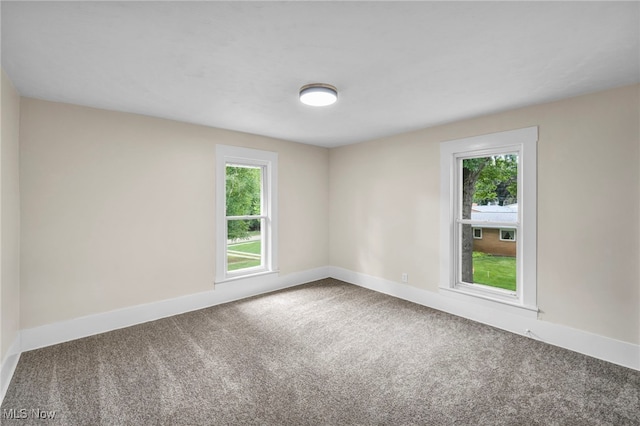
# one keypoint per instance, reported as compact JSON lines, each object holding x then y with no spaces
{"x":494,"y":241}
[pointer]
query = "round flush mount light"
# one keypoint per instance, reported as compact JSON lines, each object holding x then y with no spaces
{"x":318,"y":94}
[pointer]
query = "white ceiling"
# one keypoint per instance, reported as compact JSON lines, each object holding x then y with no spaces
{"x":399,"y":66}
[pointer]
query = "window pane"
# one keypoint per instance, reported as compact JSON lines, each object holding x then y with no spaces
{"x":243,"y":190}
{"x":490,"y":188}
{"x":245,"y":251}
{"x":489,"y":261}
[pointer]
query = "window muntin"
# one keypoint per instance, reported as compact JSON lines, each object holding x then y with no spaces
{"x":246,"y":195}
{"x":461,"y":271}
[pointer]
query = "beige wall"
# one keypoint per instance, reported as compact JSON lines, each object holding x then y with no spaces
{"x":384,"y":207}
{"x":9,"y":217}
{"x":118,"y":209}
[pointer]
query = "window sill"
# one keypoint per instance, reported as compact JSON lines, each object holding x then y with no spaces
{"x":246,"y":277}
{"x":491,"y":302}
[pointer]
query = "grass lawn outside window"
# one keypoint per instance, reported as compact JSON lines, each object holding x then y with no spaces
{"x":243,"y":254}
{"x":494,"y":271}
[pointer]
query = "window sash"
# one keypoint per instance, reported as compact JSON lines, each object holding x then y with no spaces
{"x":485,"y":289}
{"x":247,"y":217}
{"x":264,"y":249}
{"x":488,"y":223}
{"x":263,"y":182}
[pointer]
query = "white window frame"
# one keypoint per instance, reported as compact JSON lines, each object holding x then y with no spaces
{"x":515,"y":234}
{"x":524,"y":143}
{"x":268,"y":162}
{"x":474,"y":233}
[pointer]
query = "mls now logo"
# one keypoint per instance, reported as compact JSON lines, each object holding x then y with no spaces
{"x":23,"y":413}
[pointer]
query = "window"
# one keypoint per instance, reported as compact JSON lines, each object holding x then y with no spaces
{"x":477,"y":233}
{"x":488,"y":191}
{"x":246,"y":224}
{"x":507,"y":234}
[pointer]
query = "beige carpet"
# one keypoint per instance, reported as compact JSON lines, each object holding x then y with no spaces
{"x":325,"y":353}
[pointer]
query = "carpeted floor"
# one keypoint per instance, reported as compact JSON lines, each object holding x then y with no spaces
{"x":324,"y":353}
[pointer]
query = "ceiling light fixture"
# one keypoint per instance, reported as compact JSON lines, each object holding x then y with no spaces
{"x":318,"y":94}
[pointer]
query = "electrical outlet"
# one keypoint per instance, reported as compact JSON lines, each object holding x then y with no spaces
{"x":405,"y":277}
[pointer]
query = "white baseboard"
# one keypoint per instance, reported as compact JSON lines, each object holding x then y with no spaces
{"x":8,"y":366}
{"x":64,"y":331}
{"x":596,"y":346}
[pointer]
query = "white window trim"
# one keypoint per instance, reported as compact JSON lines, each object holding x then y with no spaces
{"x":226,"y":154}
{"x":524,"y":142}
{"x":515,"y":234}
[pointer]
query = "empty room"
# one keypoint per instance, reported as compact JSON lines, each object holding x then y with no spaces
{"x":320,"y":213}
